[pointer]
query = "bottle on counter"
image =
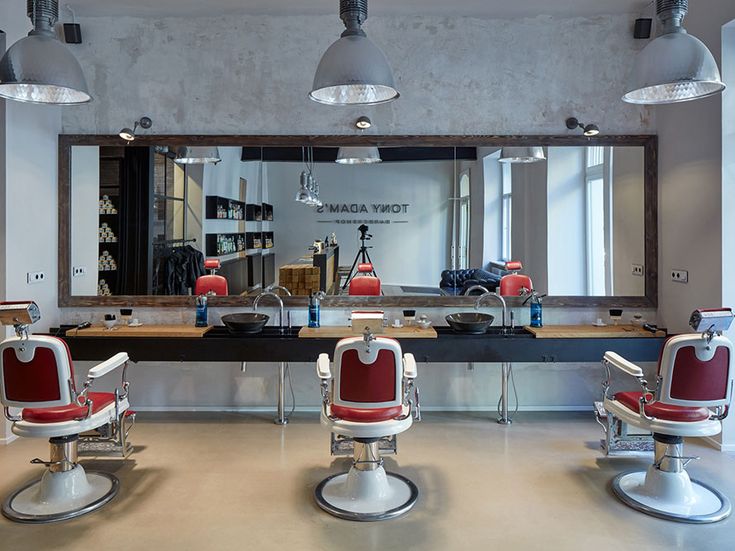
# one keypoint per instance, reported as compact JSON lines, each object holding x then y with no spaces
{"x":201,"y":314}
{"x":536,"y":308}
{"x":315,"y":300}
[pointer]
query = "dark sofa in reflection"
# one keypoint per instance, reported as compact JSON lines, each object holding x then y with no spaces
{"x":457,"y":282}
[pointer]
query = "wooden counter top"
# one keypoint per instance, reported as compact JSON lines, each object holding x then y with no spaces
{"x":142,"y":331}
{"x":339,"y":332}
{"x":592,"y":332}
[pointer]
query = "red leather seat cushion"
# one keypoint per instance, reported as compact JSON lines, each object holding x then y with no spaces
{"x":667,"y":412}
{"x":359,"y":415}
{"x":100,"y":400}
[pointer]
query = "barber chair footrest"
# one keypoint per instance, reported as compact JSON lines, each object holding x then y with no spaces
{"x":366,"y":495}
{"x":344,"y":445}
{"x":618,"y":442}
{"x":671,"y":496}
{"x":61,"y":496}
{"x":94,"y":447}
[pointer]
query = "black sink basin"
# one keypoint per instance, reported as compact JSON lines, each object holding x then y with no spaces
{"x":474,"y":323}
{"x":246,"y":323}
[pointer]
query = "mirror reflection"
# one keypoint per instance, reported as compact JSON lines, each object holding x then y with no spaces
{"x":421,"y":221}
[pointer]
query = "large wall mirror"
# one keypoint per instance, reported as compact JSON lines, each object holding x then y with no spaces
{"x":431,"y":217}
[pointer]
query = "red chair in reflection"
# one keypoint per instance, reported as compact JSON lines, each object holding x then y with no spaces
{"x":364,"y":283}
{"x":211,"y":284}
{"x":512,"y":285}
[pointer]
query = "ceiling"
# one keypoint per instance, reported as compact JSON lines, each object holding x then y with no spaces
{"x":479,"y":8}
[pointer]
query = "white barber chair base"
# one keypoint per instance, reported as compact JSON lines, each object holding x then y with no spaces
{"x":671,"y":496}
{"x":61,"y":496}
{"x":366,"y":495}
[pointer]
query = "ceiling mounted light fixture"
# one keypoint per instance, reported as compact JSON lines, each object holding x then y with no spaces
{"x":40,"y":68}
{"x":128,"y":134}
{"x":523,"y":155}
{"x":675,"y":66}
{"x":363,"y":123}
{"x":353,"y":70}
{"x":197,"y":155}
{"x":588,"y":129}
{"x":358,"y":156}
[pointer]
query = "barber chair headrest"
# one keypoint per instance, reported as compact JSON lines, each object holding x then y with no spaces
{"x":19,"y":313}
{"x":513,"y":265}
{"x":365,"y":268}
{"x":714,"y":320}
{"x":212,"y":264}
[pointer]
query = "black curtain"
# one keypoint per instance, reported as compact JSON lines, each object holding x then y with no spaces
{"x":136,"y":179}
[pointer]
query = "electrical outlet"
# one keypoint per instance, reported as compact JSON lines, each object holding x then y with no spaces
{"x":637,"y":269}
{"x":79,"y":271}
{"x":35,"y":277}
{"x":680,"y":276}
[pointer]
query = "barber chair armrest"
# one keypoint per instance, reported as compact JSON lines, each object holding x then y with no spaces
{"x":100,"y":370}
{"x":410,"y":371}
{"x":617,"y":361}
{"x":323,"y":371}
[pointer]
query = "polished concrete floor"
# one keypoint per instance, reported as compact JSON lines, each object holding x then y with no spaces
{"x":236,"y":481}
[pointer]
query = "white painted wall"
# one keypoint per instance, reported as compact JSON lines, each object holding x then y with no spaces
{"x":566,"y":221}
{"x":628,"y":168}
{"x":85,"y":194}
{"x":410,"y":253}
{"x":30,"y":192}
{"x":728,"y":194}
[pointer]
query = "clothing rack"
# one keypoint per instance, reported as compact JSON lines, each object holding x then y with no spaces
{"x":172,"y":241}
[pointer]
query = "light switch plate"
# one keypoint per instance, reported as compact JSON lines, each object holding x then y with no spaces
{"x":79,"y":271}
{"x":680,"y":276}
{"x":637,"y":270}
{"x":35,"y":277}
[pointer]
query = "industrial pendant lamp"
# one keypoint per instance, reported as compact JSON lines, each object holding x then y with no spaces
{"x":39,"y":68}
{"x":197,"y":155}
{"x":523,"y":155}
{"x":353,"y":70}
{"x":675,"y":66}
{"x":358,"y":155}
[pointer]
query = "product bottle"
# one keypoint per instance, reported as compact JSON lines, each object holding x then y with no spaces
{"x":314,"y":301}
{"x":536,"y":308}
{"x":201,"y":316}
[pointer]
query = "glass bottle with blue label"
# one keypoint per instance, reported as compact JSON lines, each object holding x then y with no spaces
{"x":201,"y":314}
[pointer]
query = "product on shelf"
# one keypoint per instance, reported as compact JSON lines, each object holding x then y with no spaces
{"x":106,"y":263}
{"x":300,"y":279}
{"x":106,"y":235}
{"x":106,"y":206}
{"x":103,"y":289}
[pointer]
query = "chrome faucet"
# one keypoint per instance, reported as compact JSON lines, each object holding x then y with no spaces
{"x":488,"y":294}
{"x":269,"y":292}
{"x":476,"y":288}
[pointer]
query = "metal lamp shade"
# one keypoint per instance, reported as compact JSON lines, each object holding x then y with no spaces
{"x":522,"y":155}
{"x":358,"y":155}
{"x":672,"y":68}
{"x":197,"y":155}
{"x":353,"y":71}
{"x":40,"y":69}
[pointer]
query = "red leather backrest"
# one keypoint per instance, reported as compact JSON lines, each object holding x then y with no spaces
{"x":365,"y":268}
{"x":36,"y":380}
{"x":513,"y":265}
{"x":212,"y":264}
{"x":217,"y":284}
{"x":700,"y":381}
{"x":366,"y":286}
{"x":367,"y":383}
{"x":511,"y":284}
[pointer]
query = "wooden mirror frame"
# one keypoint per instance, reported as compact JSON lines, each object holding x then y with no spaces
{"x":648,"y":142}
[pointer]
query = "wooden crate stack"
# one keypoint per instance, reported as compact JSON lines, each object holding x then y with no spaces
{"x":300,"y":279}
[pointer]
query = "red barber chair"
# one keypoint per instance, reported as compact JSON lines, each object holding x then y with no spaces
{"x":366,"y":399}
{"x":512,"y":285}
{"x":364,"y":283}
{"x":690,"y":399}
{"x":37,"y":376}
{"x":211,"y":284}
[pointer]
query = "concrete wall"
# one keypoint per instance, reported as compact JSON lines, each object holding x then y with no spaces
{"x":456,"y":75}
